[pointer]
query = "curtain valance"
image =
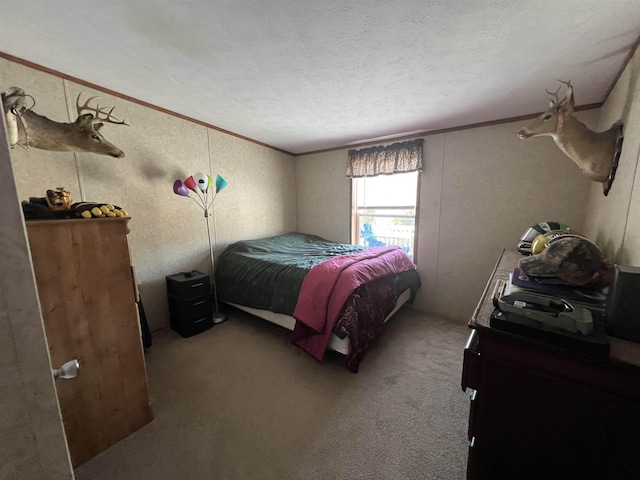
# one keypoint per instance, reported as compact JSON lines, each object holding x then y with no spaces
{"x":395,"y":158}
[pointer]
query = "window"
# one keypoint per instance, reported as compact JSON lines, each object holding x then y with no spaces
{"x":384,"y":210}
{"x":385,"y":184}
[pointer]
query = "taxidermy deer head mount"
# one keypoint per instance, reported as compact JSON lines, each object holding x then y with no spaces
{"x":596,"y":154}
{"x":28,"y":129}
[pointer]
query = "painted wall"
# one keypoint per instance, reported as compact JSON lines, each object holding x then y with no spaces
{"x":614,"y":221}
{"x":480,"y":189}
{"x":168,"y":233}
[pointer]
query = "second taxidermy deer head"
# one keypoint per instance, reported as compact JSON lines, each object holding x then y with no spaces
{"x":596,"y":154}
{"x":28,"y":129}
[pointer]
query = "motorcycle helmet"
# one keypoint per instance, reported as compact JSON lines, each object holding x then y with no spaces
{"x":542,"y":241}
{"x":527,"y":238}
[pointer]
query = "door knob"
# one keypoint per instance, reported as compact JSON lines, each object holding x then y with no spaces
{"x":67,"y":370}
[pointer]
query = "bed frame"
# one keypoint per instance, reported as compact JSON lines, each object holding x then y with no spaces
{"x":288,"y":322}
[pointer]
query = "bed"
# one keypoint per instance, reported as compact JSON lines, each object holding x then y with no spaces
{"x":331,"y":295}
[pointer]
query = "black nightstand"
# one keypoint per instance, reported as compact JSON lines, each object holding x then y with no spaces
{"x":190,"y":302}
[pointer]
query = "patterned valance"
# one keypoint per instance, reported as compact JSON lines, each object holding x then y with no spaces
{"x":395,"y":158}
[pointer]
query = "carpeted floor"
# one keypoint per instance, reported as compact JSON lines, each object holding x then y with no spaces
{"x":239,"y":401}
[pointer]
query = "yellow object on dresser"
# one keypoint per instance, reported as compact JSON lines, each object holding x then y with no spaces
{"x":88,"y":298}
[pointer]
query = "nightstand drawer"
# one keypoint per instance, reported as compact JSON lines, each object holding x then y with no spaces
{"x":190,"y":326}
{"x":187,"y":285}
{"x":190,"y":308}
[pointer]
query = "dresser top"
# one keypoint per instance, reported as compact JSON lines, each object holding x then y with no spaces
{"x":622,"y":351}
{"x":59,"y":221}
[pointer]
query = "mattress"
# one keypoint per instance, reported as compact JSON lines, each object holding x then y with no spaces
{"x":332,"y":295}
{"x":267,"y":273}
{"x":340,"y":344}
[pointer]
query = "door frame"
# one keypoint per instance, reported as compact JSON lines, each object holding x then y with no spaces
{"x":46,"y":451}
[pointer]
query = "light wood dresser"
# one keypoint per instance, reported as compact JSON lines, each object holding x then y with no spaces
{"x":88,"y":295}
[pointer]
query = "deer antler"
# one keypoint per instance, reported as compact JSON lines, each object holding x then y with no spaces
{"x":568,"y":83}
{"x":14,"y":105}
{"x":555,"y":95}
{"x":106,"y":116}
{"x":14,"y":100}
{"x":568,"y":96}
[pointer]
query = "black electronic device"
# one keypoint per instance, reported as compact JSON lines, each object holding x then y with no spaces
{"x":595,"y":344}
{"x":545,"y":313}
{"x":622,"y":313}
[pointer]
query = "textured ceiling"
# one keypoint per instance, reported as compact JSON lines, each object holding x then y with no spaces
{"x":306,"y":75}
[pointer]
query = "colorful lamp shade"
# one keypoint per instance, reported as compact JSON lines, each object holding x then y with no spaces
{"x":220,"y":183}
{"x":180,"y":189}
{"x":202,"y":184}
{"x":202,"y":181}
{"x":190,"y":183}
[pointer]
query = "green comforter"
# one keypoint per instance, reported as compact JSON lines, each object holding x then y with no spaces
{"x":267,"y":273}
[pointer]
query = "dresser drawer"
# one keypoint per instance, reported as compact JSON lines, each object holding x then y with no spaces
{"x":471,"y":364}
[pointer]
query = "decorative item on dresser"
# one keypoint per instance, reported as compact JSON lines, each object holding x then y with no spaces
{"x":201,"y":185}
{"x":88,"y":297}
{"x":542,"y":410}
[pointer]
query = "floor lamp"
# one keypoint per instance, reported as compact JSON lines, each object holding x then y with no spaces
{"x":201,"y":185}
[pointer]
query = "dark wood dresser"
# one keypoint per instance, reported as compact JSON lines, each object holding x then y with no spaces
{"x":540,"y":411}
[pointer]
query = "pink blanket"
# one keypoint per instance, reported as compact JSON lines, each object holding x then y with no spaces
{"x":328,"y":285}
